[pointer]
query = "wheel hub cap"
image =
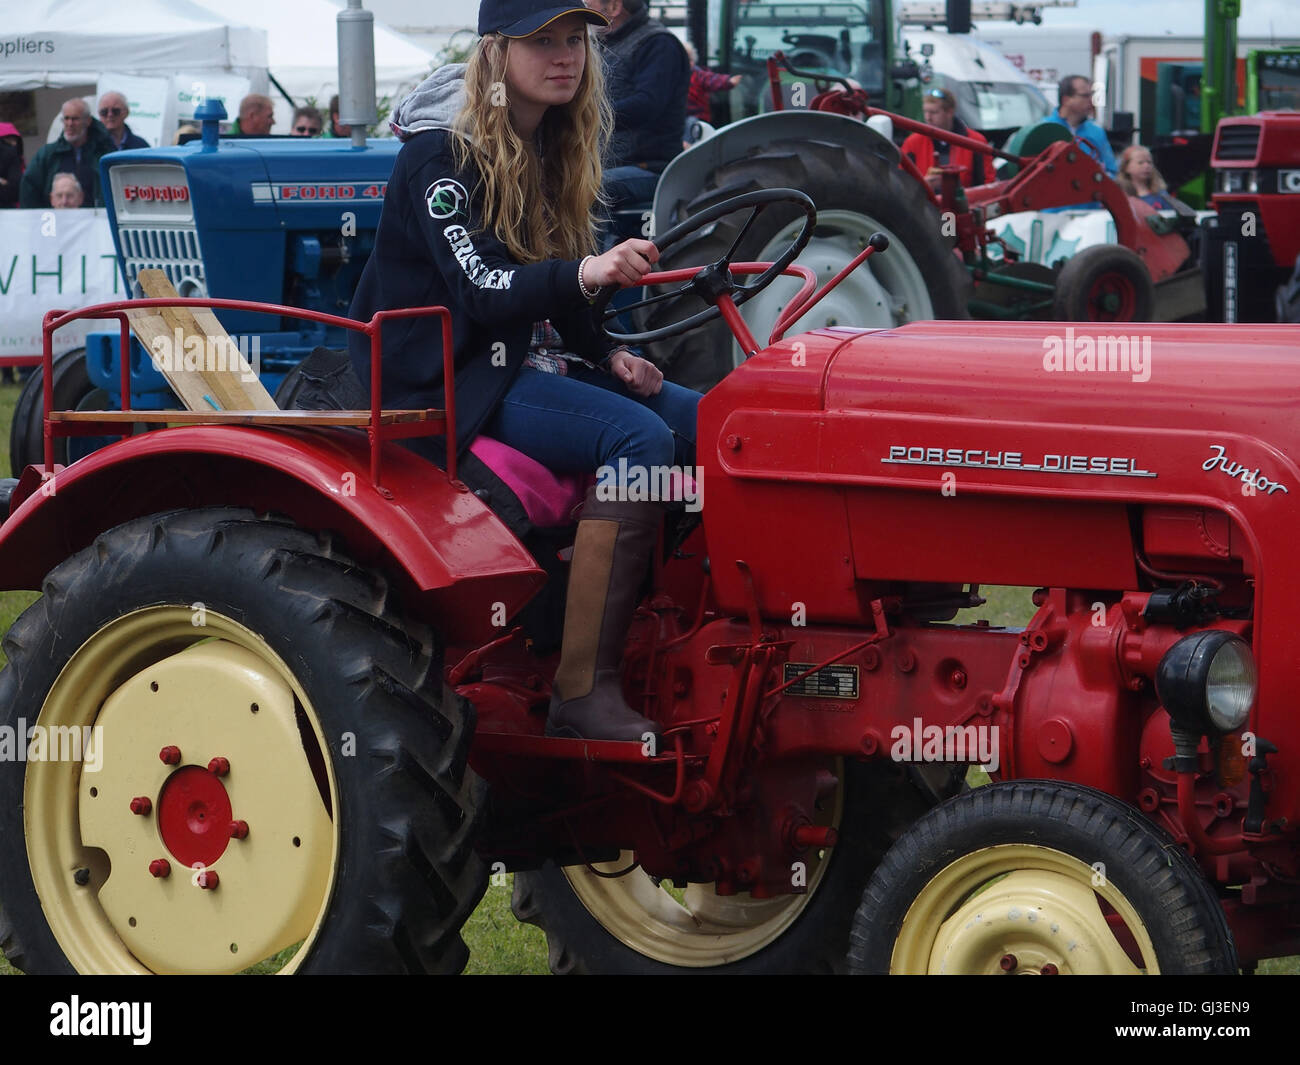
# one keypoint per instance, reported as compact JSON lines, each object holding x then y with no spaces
{"x":214,"y":698}
{"x":1040,"y":919}
{"x":195,"y":816}
{"x":1034,"y":904}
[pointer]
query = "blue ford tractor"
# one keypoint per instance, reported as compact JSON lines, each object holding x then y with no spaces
{"x":276,"y":220}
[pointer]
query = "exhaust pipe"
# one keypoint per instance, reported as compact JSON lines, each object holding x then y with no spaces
{"x":357,"y":71}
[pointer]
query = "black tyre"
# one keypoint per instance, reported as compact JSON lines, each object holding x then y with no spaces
{"x":857,"y":194}
{"x":1020,"y":877}
{"x":633,"y":924}
{"x":72,"y":388}
{"x":1104,"y":283}
{"x":254,"y":641}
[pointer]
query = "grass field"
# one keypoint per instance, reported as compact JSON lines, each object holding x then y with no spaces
{"x":498,"y":943}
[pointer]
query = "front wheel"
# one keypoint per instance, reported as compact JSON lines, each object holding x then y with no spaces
{"x":239,"y":754}
{"x":1038,"y":877}
{"x":1104,"y":283}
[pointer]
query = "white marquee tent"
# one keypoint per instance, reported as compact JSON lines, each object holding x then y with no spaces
{"x":302,"y":38}
{"x":69,"y":42}
{"x":160,"y":52}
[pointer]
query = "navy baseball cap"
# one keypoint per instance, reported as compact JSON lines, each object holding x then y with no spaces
{"x":521,"y":18}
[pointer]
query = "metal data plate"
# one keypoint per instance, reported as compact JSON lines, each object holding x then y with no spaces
{"x":829,"y":682}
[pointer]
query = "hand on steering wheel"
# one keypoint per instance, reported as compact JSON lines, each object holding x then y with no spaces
{"x":714,"y":280}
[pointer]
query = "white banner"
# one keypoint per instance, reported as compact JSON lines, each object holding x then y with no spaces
{"x":190,"y":90}
{"x":53,"y":260}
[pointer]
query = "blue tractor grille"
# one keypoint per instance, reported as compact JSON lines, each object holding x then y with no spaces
{"x":174,"y":250}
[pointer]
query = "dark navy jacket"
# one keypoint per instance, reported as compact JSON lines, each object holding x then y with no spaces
{"x":432,"y":248}
{"x":647,"y":78}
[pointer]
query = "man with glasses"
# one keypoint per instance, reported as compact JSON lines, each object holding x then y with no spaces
{"x":112,"y":112}
{"x":78,"y":150}
{"x":307,"y":122}
{"x":1072,"y":112}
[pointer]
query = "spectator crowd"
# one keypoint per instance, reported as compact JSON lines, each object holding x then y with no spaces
{"x":654,"y":85}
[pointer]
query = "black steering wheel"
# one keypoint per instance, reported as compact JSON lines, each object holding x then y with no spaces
{"x":714,"y":280}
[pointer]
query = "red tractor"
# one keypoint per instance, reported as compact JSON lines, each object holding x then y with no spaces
{"x":311,"y":714}
{"x":942,"y":266}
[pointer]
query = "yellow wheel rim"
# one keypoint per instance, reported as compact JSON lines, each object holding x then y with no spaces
{"x":696,"y":927}
{"x":1022,"y":909}
{"x":204,"y":683}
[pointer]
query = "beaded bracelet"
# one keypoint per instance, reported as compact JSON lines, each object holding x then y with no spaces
{"x":587,"y":294}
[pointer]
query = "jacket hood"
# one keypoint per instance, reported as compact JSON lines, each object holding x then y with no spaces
{"x":433,"y":104}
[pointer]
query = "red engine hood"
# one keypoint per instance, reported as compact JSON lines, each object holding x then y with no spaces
{"x":1215,"y":378}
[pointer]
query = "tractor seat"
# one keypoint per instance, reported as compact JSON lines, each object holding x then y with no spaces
{"x":549,"y":499}
{"x":325,"y":381}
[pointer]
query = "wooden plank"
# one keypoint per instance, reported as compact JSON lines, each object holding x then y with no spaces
{"x":246,"y":417}
{"x":148,"y":325}
{"x":208,"y":387}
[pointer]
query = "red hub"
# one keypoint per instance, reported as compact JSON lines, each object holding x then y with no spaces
{"x":194,"y":816}
{"x":1112,"y":298}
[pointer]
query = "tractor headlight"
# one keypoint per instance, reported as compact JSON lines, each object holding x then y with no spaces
{"x":1207,"y":682}
{"x":1236,"y":181}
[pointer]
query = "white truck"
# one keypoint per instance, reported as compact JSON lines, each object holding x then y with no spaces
{"x":992,"y":94}
{"x":1044,"y":55}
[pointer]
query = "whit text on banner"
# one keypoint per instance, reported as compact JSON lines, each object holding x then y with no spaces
{"x":53,"y":259}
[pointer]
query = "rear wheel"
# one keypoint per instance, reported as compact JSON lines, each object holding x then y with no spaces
{"x":1038,"y":877}
{"x":857,"y":194}
{"x":72,"y":388}
{"x":1104,"y":283}
{"x":233,"y":697}
{"x":636,"y":924}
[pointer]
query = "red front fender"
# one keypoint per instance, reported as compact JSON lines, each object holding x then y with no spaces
{"x":449,"y":552}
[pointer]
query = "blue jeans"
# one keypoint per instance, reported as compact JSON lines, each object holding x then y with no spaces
{"x":588,"y":419}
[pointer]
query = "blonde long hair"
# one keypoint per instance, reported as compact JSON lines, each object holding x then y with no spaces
{"x":537,"y":210}
{"x":1126,"y":182}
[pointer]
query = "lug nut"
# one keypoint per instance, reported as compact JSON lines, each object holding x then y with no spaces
{"x":219,"y":766}
{"x":1008,"y":963}
{"x":1049,"y":970}
{"x":161,"y":868}
{"x":141,"y":805}
{"x":238,"y":829}
{"x":208,"y":880}
{"x":170,"y":755}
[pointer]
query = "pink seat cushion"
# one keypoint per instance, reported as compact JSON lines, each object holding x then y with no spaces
{"x":549,"y":498}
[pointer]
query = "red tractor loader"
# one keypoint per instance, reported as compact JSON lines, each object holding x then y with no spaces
{"x":312,"y":719}
{"x":861,"y":182}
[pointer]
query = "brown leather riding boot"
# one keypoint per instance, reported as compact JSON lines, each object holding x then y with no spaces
{"x":610,"y":555}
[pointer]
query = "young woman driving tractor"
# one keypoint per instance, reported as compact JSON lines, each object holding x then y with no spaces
{"x":489,"y":212}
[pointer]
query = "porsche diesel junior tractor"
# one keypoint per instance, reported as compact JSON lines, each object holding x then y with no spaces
{"x":309,"y":673}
